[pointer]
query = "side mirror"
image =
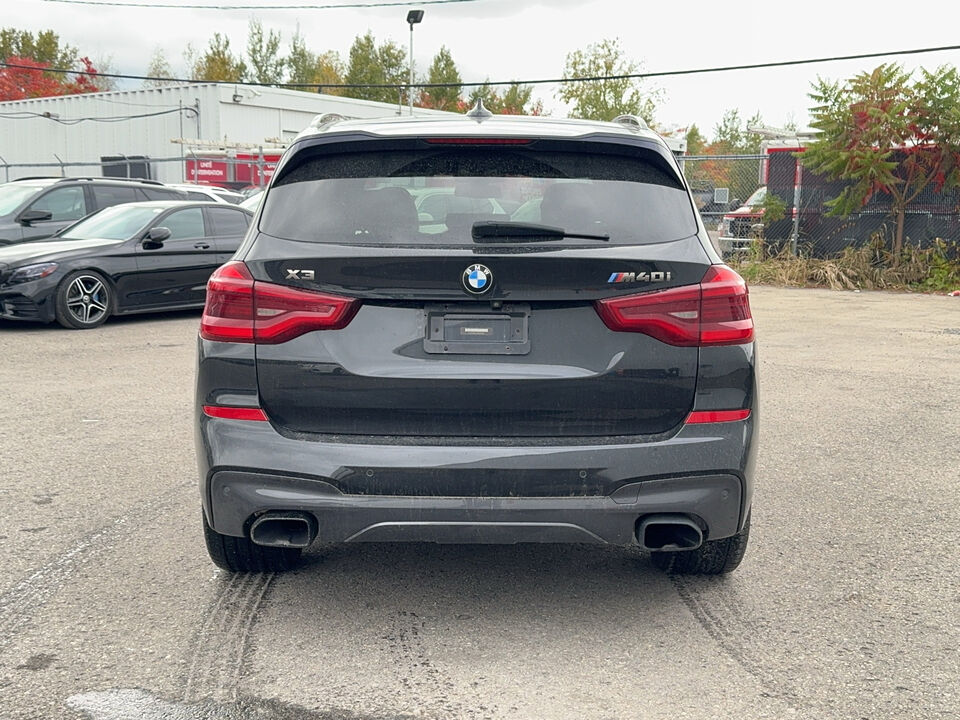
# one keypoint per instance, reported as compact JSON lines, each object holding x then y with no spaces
{"x":28,"y":217}
{"x":155,"y":237}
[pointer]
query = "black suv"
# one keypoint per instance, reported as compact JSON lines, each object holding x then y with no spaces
{"x":36,"y":208}
{"x":558,"y":355}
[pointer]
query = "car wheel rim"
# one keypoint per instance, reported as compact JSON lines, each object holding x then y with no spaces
{"x":87,"y":299}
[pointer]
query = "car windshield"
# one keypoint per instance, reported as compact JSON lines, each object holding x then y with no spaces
{"x":437,"y":196}
{"x":114,"y":223}
{"x":757,"y":198}
{"x":12,"y":195}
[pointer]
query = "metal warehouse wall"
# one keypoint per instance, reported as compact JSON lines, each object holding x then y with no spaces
{"x":26,"y":138}
{"x":227,"y":114}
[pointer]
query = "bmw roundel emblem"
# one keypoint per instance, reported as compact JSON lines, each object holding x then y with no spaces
{"x":477,"y":279}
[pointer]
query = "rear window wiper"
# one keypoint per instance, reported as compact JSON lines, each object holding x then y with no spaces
{"x":494,"y":232}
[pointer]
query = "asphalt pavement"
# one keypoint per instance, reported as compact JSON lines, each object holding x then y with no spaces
{"x":846,"y":606}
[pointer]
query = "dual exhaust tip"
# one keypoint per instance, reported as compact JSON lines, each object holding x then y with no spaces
{"x":295,"y":529}
{"x":668,"y":533}
{"x":286,"y":529}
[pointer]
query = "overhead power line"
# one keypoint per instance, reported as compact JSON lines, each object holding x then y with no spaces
{"x":184,"y":6}
{"x":550,"y":81}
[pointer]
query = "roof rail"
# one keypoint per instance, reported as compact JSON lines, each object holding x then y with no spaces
{"x":633,"y":122}
{"x":325,"y":120}
{"x":37,"y":177}
{"x":142,"y":181}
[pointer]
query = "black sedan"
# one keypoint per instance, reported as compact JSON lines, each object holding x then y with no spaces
{"x":138,"y":257}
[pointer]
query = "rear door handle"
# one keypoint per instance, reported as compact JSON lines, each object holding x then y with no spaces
{"x":202,"y":246}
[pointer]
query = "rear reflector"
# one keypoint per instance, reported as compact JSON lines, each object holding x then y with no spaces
{"x":714,"y":312}
{"x":234,"y":413}
{"x":241,"y":309}
{"x":699,"y":417}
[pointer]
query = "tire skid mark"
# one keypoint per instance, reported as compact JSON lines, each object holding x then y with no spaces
{"x":22,"y":601}
{"x":722,"y":627}
{"x":417,"y":674}
{"x":219,"y":646}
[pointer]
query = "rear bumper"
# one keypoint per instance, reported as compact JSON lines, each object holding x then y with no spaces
{"x":391,"y":491}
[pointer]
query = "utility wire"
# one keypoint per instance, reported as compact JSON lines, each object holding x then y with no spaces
{"x":331,"y":6}
{"x":551,"y":81}
{"x":77,"y":121}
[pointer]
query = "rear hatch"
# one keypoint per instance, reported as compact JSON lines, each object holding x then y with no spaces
{"x":477,"y":318}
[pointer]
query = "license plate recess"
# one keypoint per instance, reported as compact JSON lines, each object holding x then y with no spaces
{"x":453,"y":330}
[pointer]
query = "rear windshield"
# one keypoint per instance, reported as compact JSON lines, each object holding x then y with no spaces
{"x":436,"y":196}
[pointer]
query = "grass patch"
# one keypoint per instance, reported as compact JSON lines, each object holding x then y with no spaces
{"x":871,"y":267}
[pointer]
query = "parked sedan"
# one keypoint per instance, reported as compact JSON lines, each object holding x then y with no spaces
{"x":138,"y":257}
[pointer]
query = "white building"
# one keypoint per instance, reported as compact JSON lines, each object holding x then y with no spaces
{"x":232,"y":128}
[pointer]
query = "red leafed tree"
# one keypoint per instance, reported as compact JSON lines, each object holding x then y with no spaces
{"x":28,"y":80}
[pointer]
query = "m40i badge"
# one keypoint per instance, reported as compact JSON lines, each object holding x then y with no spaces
{"x":657,"y":276}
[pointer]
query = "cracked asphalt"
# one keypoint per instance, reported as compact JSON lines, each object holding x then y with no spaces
{"x":847,"y":605}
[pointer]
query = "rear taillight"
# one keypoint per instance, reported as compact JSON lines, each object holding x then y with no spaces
{"x":241,"y":309}
{"x":284,"y":313}
{"x":228,"y":312}
{"x":714,"y":312}
{"x":725,"y":317}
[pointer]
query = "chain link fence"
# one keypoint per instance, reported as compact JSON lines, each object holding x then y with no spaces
{"x":729,"y":190}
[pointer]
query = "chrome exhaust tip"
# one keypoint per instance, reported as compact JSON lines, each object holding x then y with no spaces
{"x":287,"y":529}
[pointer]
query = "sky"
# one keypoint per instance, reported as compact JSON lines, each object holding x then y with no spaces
{"x":530,"y":39}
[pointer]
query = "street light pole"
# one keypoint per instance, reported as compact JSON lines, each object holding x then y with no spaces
{"x":413,"y":18}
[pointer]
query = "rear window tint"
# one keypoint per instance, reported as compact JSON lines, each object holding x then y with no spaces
{"x":155,"y":193}
{"x":435,"y":196}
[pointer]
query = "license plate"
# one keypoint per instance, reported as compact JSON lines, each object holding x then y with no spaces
{"x":451,"y":330}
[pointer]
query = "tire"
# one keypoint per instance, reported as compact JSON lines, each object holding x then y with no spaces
{"x":84,"y":300}
{"x":242,"y":555}
{"x":714,"y":557}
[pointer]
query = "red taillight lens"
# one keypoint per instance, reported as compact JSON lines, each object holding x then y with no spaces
{"x":228,"y":312}
{"x":240,"y":309}
{"x":283,"y":313}
{"x":671,"y":316}
{"x":725,"y":317}
{"x":234,"y":413}
{"x":478,"y":141}
{"x":714,"y":312}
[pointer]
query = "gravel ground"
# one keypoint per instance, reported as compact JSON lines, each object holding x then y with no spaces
{"x":847,"y":605}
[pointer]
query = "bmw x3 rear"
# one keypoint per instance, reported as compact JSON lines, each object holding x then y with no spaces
{"x":477,"y":329}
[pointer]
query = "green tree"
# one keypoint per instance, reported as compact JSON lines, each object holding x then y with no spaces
{"x":372,"y":64}
{"x":605,"y":99}
{"x":515,"y":100}
{"x":442,"y":70}
{"x":266,"y":65}
{"x":300,"y":62}
{"x":731,"y":136}
{"x":44,"y":47}
{"x":696,"y":142}
{"x":158,"y":67}
{"x":886,"y":132}
{"x":218,"y":63}
{"x":306,"y":67}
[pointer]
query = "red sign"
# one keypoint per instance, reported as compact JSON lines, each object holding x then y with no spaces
{"x":247,"y":168}
{"x":205,"y":171}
